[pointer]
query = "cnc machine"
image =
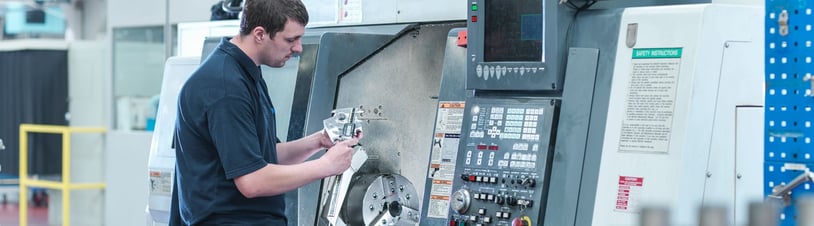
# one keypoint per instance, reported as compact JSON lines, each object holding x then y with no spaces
{"x":584,"y":115}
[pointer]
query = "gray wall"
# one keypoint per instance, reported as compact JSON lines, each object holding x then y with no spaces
{"x":125,"y":13}
{"x":126,"y":158}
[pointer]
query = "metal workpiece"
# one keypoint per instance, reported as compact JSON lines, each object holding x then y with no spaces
{"x":384,"y":199}
{"x":713,"y":216}
{"x":781,"y":194}
{"x":762,"y":214}
{"x":654,"y":216}
{"x":343,"y":124}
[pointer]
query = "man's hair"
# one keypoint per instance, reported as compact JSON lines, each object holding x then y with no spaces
{"x":271,"y":15}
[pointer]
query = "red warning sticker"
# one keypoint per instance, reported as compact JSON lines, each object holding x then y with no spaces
{"x":628,"y":192}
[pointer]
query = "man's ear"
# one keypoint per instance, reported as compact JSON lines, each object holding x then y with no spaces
{"x":259,"y":33}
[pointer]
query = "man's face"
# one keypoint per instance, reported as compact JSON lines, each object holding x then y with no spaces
{"x":279,"y":48}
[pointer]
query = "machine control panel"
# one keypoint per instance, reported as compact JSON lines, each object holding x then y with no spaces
{"x":503,"y":161}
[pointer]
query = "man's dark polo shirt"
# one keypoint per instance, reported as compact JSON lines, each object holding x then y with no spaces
{"x":225,"y":129}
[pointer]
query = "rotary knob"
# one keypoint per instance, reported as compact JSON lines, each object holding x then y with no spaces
{"x":460,"y":201}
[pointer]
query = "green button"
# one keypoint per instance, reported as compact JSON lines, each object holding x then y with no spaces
{"x":474,"y":7}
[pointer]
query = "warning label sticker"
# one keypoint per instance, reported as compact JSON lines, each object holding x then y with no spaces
{"x":630,"y":188}
{"x":443,"y":156}
{"x":161,"y":183}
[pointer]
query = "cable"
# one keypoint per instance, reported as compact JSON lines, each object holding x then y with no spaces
{"x":572,"y":23}
{"x":584,"y":6}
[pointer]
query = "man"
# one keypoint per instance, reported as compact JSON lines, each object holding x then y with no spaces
{"x":230,"y":167}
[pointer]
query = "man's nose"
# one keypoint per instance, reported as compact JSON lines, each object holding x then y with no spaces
{"x":297,"y":47}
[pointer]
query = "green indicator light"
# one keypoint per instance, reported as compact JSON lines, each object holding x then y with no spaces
{"x":474,"y":7}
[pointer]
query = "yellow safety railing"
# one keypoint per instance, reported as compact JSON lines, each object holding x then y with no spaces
{"x":65,"y":185}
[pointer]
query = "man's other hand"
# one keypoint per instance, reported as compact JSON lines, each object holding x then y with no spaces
{"x":338,"y":158}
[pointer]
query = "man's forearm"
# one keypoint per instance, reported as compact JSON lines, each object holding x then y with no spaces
{"x":299,"y":150}
{"x":278,"y":179}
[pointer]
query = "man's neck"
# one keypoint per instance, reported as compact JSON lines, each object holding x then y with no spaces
{"x":247,"y":46}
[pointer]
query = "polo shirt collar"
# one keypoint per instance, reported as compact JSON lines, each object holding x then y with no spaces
{"x":245,"y":62}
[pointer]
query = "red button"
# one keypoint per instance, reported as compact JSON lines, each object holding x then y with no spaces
{"x":474,"y":18}
{"x":471,"y":177}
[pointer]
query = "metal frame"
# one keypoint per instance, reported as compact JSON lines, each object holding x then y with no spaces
{"x":65,"y":185}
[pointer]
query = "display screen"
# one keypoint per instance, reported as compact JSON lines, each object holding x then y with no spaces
{"x":513,"y":30}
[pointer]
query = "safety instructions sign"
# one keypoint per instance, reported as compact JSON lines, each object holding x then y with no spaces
{"x":630,"y":188}
{"x":444,"y":154}
{"x":650,"y":100}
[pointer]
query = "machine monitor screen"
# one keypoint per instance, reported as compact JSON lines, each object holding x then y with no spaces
{"x":513,"y":31}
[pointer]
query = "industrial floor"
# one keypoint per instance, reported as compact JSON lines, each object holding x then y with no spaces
{"x":10,"y":215}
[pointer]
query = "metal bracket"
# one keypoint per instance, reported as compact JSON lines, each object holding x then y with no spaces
{"x":781,"y":194}
{"x":783,"y":23}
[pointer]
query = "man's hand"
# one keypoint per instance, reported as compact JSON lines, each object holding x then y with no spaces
{"x":326,"y":142}
{"x":338,"y":158}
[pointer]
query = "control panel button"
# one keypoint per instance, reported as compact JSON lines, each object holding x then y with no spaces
{"x":499,"y":200}
{"x":525,"y":203}
{"x":512,"y":201}
{"x":482,"y":211}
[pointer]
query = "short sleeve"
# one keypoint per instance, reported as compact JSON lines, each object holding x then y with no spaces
{"x":234,"y":134}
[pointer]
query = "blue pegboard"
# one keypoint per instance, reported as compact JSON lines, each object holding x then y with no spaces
{"x":789,"y":103}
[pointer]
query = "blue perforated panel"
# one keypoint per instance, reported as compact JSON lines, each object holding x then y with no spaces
{"x":789,"y":101}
